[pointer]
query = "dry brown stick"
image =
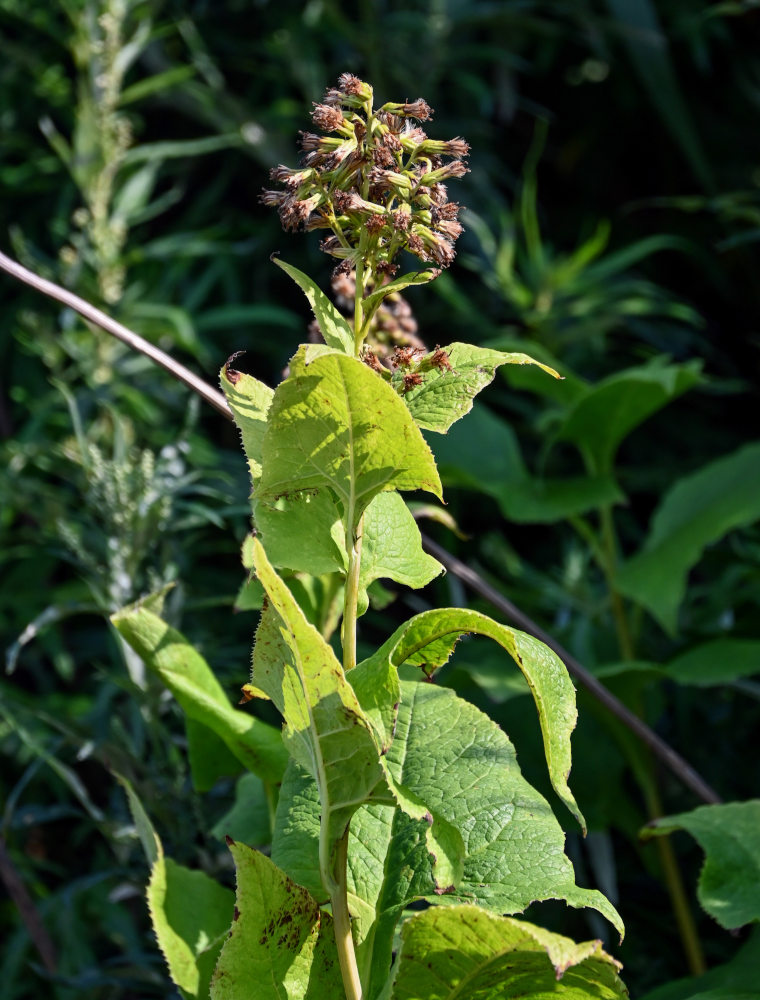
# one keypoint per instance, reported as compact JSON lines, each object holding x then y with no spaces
{"x":118,"y":330}
{"x":20,"y":896}
{"x":663,"y":750}
{"x":680,"y":767}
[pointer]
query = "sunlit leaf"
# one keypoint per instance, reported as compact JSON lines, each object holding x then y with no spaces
{"x":281,"y":945}
{"x":447,"y":954}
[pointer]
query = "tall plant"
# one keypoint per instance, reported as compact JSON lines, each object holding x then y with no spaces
{"x":392,"y":790}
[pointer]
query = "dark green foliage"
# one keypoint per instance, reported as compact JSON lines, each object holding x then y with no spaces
{"x":611,"y":232}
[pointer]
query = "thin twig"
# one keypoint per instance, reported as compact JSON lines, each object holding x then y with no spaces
{"x":19,"y":893}
{"x":123,"y":333}
{"x":666,"y":753}
{"x":681,"y":768}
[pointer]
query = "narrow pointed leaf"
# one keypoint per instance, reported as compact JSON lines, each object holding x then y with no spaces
{"x":446,"y":396}
{"x":336,"y":424}
{"x":428,"y":640}
{"x":398,"y":285}
{"x":191,"y":915}
{"x":719,"y":661}
{"x":281,"y":945}
{"x":696,"y":512}
{"x":257,"y":745}
{"x":392,"y":547}
{"x":468,"y":952}
{"x":729,"y":883}
{"x":325,"y":725}
{"x":335,"y":329}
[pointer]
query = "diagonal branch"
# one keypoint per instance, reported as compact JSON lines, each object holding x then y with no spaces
{"x":122,"y":333}
{"x":671,"y":758}
{"x":680,"y":767}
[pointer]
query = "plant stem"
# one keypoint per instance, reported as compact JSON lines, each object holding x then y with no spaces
{"x":671,"y":873}
{"x":351,"y":599}
{"x":358,"y":304}
{"x":344,"y":941}
{"x":673,"y":760}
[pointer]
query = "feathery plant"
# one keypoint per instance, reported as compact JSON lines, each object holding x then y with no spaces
{"x":390,"y":790}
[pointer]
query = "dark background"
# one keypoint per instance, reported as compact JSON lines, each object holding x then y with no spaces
{"x":638,"y":115}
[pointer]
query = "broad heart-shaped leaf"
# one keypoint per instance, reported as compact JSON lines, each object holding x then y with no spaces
{"x":446,"y":395}
{"x":470,"y":953}
{"x":281,"y":945}
{"x":482,"y":453}
{"x":191,"y":915}
{"x":257,"y":745}
{"x":458,"y":761}
{"x":325,"y":726}
{"x":735,"y":980}
{"x":719,"y":661}
{"x":428,"y":640}
{"x":335,"y":329}
{"x":392,"y":547}
{"x":695,"y":512}
{"x":335,"y":424}
{"x":249,"y":401}
{"x":729,"y":884}
{"x":598,"y":421}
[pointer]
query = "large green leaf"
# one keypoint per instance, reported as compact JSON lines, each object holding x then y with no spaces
{"x":598,"y":421}
{"x":335,"y":329}
{"x":336,"y":424}
{"x":695,"y":512}
{"x":191,"y":915}
{"x":257,"y":745}
{"x":482,"y":453}
{"x":392,"y":547}
{"x":311,"y":517}
{"x":428,"y":640}
{"x":719,"y":661}
{"x":729,"y":884}
{"x":447,"y":391}
{"x":459,"y":762}
{"x":447,"y":955}
{"x":324,"y":723}
{"x":281,"y":945}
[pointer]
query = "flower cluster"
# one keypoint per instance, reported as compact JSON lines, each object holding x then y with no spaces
{"x":375,"y":180}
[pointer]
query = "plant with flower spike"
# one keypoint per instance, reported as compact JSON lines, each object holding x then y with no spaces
{"x":395,"y":790}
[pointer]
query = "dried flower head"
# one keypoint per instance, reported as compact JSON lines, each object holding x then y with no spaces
{"x":375,"y":181}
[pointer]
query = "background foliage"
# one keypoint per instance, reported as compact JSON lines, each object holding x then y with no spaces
{"x":613,"y":215}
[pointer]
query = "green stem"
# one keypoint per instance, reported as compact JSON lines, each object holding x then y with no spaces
{"x":647,"y":779}
{"x":351,"y":599}
{"x":359,"y":306}
{"x":687,"y":927}
{"x":344,"y":941}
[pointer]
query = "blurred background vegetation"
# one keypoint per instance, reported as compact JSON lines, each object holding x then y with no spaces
{"x":613,"y":221}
